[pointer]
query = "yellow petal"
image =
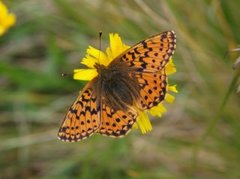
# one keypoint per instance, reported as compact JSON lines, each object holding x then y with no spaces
{"x":170,"y":67}
{"x":6,"y":19}
{"x":143,"y":122}
{"x":157,"y":110}
{"x":116,"y":46}
{"x":10,"y":20}
{"x":84,"y":74}
{"x":172,"y":88}
{"x":94,"y":56}
{"x":2,"y":30}
{"x":3,"y":9}
{"x":169,"y":98}
{"x":135,"y":126}
{"x":89,"y":61}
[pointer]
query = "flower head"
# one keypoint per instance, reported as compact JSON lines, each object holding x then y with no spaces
{"x":6,"y":19}
{"x":116,"y":48}
{"x":96,"y":56}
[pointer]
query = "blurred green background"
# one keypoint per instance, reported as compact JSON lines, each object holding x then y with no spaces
{"x":198,"y":137}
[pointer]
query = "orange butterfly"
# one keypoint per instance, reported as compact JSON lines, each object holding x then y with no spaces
{"x":109,"y":103}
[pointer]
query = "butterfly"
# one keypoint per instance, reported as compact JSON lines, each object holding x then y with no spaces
{"x":135,"y":80}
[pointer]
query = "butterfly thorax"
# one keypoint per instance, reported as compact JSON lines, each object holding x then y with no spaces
{"x":117,"y":86}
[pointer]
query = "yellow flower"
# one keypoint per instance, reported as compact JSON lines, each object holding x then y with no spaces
{"x":116,"y":48}
{"x":96,"y":56}
{"x":6,"y":19}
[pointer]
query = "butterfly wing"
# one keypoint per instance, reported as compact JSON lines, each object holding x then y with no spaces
{"x":151,"y":55}
{"x":152,"y":88}
{"x":148,"y":60}
{"x":116,"y":123}
{"x":83,"y":117}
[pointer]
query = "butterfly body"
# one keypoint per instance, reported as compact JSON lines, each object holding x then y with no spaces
{"x":116,"y":86}
{"x":135,"y":80}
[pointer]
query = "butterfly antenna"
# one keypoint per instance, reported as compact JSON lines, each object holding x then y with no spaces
{"x":100,"y":45}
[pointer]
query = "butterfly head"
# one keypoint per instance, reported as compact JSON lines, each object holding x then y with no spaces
{"x":100,"y":68}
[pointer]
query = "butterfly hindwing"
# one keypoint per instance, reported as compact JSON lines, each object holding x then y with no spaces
{"x":82,"y":119}
{"x":116,"y":123}
{"x":153,"y":89}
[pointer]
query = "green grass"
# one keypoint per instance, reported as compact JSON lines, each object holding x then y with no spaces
{"x":198,"y":137}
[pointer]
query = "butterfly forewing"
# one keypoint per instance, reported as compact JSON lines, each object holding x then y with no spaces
{"x":152,"y":54}
{"x":82,"y":119}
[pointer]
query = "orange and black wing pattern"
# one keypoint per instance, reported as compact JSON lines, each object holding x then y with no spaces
{"x":116,"y":123}
{"x":151,"y":55}
{"x":148,"y":58}
{"x":82,"y":119}
{"x":153,"y":89}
